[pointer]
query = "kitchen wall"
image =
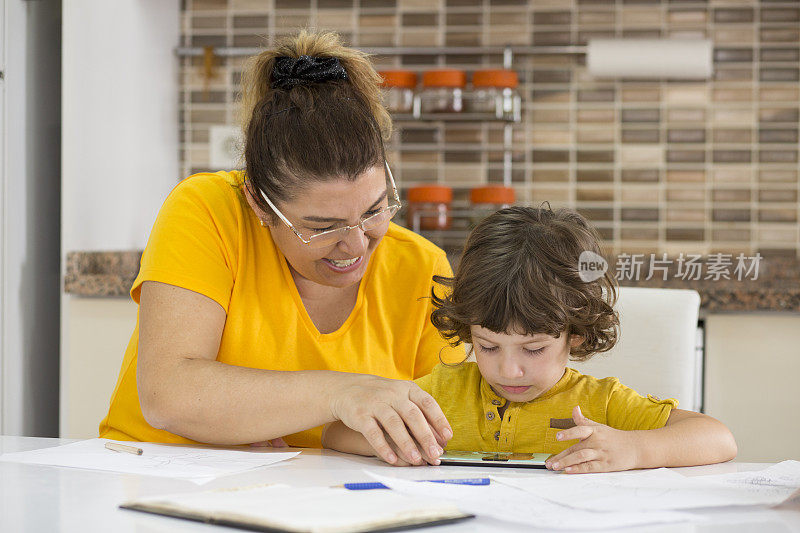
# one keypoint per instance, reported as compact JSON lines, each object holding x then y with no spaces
{"x":659,"y":166}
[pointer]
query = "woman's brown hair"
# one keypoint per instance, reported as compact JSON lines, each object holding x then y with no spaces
{"x":519,"y":273}
{"x":330,"y":129}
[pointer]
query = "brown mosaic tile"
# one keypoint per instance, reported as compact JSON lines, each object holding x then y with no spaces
{"x":732,"y":135}
{"x":335,"y":4}
{"x":464,"y":19}
{"x":550,"y":156}
{"x":778,"y":135}
{"x":779,"y":35}
{"x":783,"y":14}
{"x":596,"y":213}
{"x":641,"y":94}
{"x":594,"y":175}
{"x":250,"y":21}
{"x":730,"y":195}
{"x":595,"y":115}
{"x":551,"y":18}
{"x":733,"y":74}
{"x":551,"y":38}
{"x":551,"y":76}
{"x":686,"y":214}
{"x":731,"y":156}
{"x":595,"y":156}
{"x":584,"y":194}
{"x":686,"y":135}
{"x":685,"y":234}
{"x":640,"y":136}
{"x":779,"y":54}
{"x":685,"y":195}
{"x":640,"y":115}
{"x":596,"y":95}
{"x":419,"y":19}
{"x":685,"y":156}
{"x":208,"y":40}
{"x":547,"y":175}
{"x":730,"y":215}
{"x":292,"y":4}
{"x":696,"y":176}
{"x":737,"y":55}
{"x":735,"y":235}
{"x":585,"y":35}
{"x":596,"y":135}
{"x":639,"y":175}
{"x":779,"y":74}
{"x":777,"y":215}
{"x":777,"y":195}
{"x":777,"y":156}
{"x":638,"y":234}
{"x":782,"y":114}
{"x":733,"y":15}
{"x":640,"y":214}
{"x":777,"y":175}
{"x":640,"y":195}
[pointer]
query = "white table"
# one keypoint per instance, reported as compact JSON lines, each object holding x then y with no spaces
{"x":50,"y":499}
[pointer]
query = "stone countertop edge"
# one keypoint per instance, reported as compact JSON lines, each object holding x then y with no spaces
{"x":777,"y":288}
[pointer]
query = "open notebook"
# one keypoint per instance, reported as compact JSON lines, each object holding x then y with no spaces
{"x":314,"y":509}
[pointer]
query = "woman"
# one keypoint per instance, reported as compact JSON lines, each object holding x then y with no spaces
{"x":280,"y":299}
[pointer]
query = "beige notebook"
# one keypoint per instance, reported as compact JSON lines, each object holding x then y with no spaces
{"x":314,"y":509}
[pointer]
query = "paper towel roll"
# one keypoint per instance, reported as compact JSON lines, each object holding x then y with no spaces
{"x":650,"y":58}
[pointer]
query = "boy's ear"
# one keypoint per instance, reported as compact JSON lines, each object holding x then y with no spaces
{"x":575,"y":341}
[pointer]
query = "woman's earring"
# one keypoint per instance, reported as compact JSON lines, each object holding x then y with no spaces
{"x":262,"y":223}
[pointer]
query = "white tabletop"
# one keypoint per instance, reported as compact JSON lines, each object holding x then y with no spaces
{"x":43,"y":498}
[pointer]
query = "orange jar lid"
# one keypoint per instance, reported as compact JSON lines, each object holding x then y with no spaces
{"x":495,"y":78}
{"x":438,"y":194}
{"x":492,"y":194}
{"x":444,"y":78}
{"x":405,"y":79}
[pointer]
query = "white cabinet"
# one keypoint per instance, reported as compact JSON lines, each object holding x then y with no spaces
{"x":97,"y":331}
{"x":752,"y":370}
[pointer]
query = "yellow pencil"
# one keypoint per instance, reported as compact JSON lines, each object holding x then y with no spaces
{"x":123,"y":448}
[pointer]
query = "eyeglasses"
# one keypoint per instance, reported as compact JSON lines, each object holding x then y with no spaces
{"x":367,"y":224}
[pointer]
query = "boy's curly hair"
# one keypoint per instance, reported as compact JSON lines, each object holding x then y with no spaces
{"x":519,"y":274}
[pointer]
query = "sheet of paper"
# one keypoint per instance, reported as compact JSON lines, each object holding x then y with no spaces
{"x":310,"y":509}
{"x":199,"y":464}
{"x":663,"y":489}
{"x":510,"y":504}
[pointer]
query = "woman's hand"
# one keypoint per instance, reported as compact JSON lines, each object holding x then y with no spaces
{"x":409,"y":416}
{"x":601,"y":448}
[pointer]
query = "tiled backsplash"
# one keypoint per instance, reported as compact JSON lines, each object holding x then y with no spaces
{"x":658,"y":166}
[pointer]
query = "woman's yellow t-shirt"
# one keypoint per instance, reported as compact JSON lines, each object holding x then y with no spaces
{"x":471,"y":406}
{"x":207,"y":239}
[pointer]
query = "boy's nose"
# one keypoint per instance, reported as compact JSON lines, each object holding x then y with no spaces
{"x":510,"y":368}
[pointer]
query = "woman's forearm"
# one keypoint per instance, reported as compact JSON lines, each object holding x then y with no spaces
{"x":213,"y":402}
{"x":694,"y":439}
{"x":339,"y":437}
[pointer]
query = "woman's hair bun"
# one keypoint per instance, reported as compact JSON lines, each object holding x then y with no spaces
{"x":290,"y":72}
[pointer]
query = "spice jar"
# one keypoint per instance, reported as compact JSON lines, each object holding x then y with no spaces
{"x":495,"y":92}
{"x":398,"y":90}
{"x":442,"y":91}
{"x":488,"y":199}
{"x":429,"y":207}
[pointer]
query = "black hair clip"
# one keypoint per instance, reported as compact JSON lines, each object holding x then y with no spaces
{"x":290,"y":72}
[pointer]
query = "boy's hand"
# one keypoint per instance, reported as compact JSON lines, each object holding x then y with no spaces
{"x":601,"y":448}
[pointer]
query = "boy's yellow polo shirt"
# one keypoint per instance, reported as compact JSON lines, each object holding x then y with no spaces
{"x":471,"y":406}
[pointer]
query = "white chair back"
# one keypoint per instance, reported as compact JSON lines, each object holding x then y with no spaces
{"x":657,"y":352}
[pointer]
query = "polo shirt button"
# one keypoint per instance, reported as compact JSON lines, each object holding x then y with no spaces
{"x":496,"y":402}
{"x":490,"y":415}
{"x":496,"y":435}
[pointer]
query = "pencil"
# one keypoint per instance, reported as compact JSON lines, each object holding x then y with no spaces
{"x":115,"y":446}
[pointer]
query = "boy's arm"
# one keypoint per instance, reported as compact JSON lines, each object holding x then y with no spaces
{"x":687,"y":439}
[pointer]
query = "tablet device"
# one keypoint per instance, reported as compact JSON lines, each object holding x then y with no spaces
{"x":501,"y":459}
